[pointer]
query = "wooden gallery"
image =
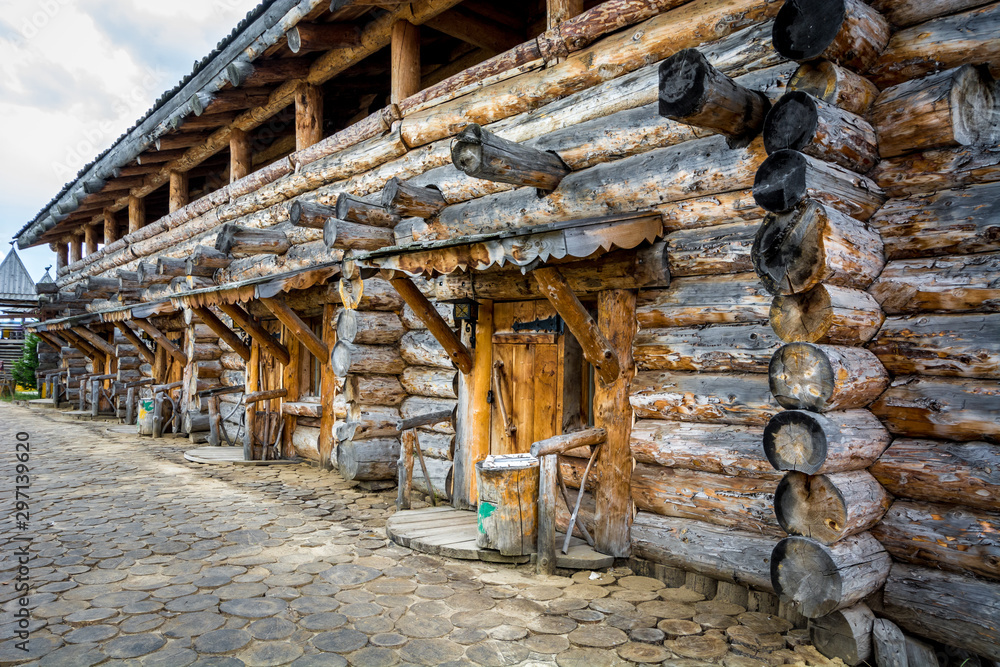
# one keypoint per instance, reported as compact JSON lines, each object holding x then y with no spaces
{"x":732,"y":267}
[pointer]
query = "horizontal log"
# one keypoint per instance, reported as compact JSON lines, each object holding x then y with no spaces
{"x":817,"y":444}
{"x":848,"y":32}
{"x":305,"y":441}
{"x":827,"y":81}
{"x":942,"y":472}
{"x":732,"y":347}
{"x":941,"y":345}
{"x":743,"y":503}
{"x":710,"y":251}
{"x":310,"y":214}
{"x":368,"y":460}
{"x":820,"y":579}
{"x":941,"y":223}
{"x":374,"y":389}
{"x":424,"y":419}
{"x":957,"y":539}
{"x":814,"y":244}
{"x":206,"y":257}
{"x":368,"y":421}
{"x":265,"y":395}
{"x":693,"y":301}
{"x":302,"y":409}
{"x":370,"y":327}
{"x":415,"y":407}
{"x":955,"y":283}
{"x":717,"y":448}
{"x":950,"y":108}
{"x":406,"y":200}
{"x":827,"y":314}
{"x":436,"y":445}
{"x":937,"y":169}
{"x":801,"y":122}
{"x":420,"y":348}
{"x":741,"y":557}
{"x":430,"y":381}
{"x":847,"y":634}
{"x":247,"y":242}
{"x":953,"y":409}
{"x":357,"y":210}
{"x":822,"y":378}
{"x":482,"y":154}
{"x":787,"y":178}
{"x":940,"y":44}
{"x":829,"y":507}
{"x":559,"y":444}
{"x":947,"y":607}
{"x":693,"y":92}
{"x":351,"y":358}
{"x":702,"y":397}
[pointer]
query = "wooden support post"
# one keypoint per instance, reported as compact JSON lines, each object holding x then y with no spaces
{"x":213,"y":322}
{"x":161,"y":340}
{"x":558,"y":11}
{"x":245,"y":321}
{"x":90,"y":239}
{"x":694,"y":92}
{"x":613,"y":413}
{"x":404,"y":469}
{"x":482,"y":154}
{"x":297,"y":328}
{"x":214,"y":421}
{"x":75,"y":249}
{"x":136,"y":213}
{"x":405,"y":61}
{"x":308,"y":116}
{"x":62,"y":254}
{"x":110,"y":227}
{"x":139,"y":344}
{"x":252,"y":385}
{"x":95,"y":341}
{"x":596,"y":348}
{"x":328,"y":392}
{"x":546,"y":559}
{"x":95,"y":397}
{"x":240,"y":155}
{"x":428,"y":314}
{"x":130,"y":399}
{"x":178,"y":192}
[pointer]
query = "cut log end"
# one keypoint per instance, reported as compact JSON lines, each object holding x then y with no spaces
{"x":796,"y":440}
{"x":825,"y":377}
{"x":826,"y":314}
{"x":804,"y":29}
{"x":683,"y":79}
{"x":780,"y":182}
{"x":791,"y":123}
{"x":828,"y":508}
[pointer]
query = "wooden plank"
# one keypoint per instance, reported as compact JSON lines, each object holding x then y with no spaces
{"x":259,"y":334}
{"x":296,"y":327}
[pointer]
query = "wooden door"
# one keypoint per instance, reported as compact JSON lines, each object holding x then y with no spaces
{"x":532,"y":372}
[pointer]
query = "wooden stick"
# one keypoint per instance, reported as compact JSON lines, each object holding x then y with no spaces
{"x":579,"y":499}
{"x":263,"y":337}
{"x":596,"y":347}
{"x":565,"y":497}
{"x":266,"y":395}
{"x":423,"y":468}
{"x":426,"y":419}
{"x":298,"y":328}
{"x":546,"y":559}
{"x":161,"y":340}
{"x":428,"y":314}
{"x":559,"y":444}
{"x":95,"y":340}
{"x":225,"y":333}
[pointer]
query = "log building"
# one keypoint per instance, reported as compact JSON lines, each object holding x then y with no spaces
{"x":741,"y":255}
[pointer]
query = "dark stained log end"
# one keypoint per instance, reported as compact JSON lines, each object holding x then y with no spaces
{"x":791,"y":123}
{"x":801,"y":377}
{"x":780,"y":182}
{"x":777,"y":248}
{"x":226,"y":238}
{"x":694,"y":92}
{"x":311,"y":215}
{"x":803,"y":29}
{"x":796,"y":440}
{"x":411,"y":200}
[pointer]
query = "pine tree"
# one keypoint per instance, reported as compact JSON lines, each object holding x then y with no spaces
{"x":24,"y":368}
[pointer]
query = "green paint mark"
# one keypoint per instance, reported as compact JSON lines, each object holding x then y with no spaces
{"x":485,"y":510}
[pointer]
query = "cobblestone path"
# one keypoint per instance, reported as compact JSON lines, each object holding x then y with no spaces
{"x":141,"y":558}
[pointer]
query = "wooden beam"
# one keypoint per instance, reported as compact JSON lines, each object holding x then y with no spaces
{"x":212,"y":321}
{"x":306,"y":37}
{"x":405,"y":71}
{"x":178,"y":197}
{"x":110,"y":227}
{"x":297,"y":327}
{"x":428,"y":314}
{"x":75,"y":249}
{"x":90,"y":239}
{"x":79,"y":343}
{"x":472,"y":28}
{"x":240,"y":155}
{"x":62,"y":254}
{"x":308,"y":116}
{"x":136,"y":213}
{"x":139,"y":344}
{"x":596,"y":348}
{"x":95,"y":340}
{"x":161,"y":339}
{"x":613,"y":413}
{"x":328,"y":391}
{"x":245,"y":321}
{"x":558,"y":11}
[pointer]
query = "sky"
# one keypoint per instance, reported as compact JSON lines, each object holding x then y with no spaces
{"x":74,"y":75}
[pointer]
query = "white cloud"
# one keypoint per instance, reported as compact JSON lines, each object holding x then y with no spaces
{"x":76,"y":74}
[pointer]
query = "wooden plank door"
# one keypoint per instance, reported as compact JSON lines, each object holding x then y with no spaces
{"x":533,"y":369}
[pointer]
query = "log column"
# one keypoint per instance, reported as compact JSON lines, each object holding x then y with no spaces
{"x":178,"y":197}
{"x":136,"y":213}
{"x":558,"y":11}
{"x":90,"y":239}
{"x":110,"y":227}
{"x":405,"y":61}
{"x":240,"y":155}
{"x":62,"y":254}
{"x":308,"y":116}
{"x":613,"y":413}
{"x":75,"y":249}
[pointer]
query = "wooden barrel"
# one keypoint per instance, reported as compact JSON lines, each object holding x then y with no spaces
{"x":508,"y":504}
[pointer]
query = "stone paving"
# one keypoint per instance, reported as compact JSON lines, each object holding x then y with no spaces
{"x":144,"y":559}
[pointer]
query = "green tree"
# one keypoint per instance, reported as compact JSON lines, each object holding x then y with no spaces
{"x":24,"y":368}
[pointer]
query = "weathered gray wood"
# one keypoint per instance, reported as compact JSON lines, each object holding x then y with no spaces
{"x":920,"y":653}
{"x":889,"y":643}
{"x":546,"y":559}
{"x":507,"y":524}
{"x":430,"y":381}
{"x":351,"y":358}
{"x":406,"y":200}
{"x":822,"y":378}
{"x":730,"y":555}
{"x":787,"y":178}
{"x":795,"y":251}
{"x":441,"y":479}
{"x":946,"y":607}
{"x":703,"y":397}
{"x":421,"y":348}
{"x":482,"y":154}
{"x":720,"y":448}
{"x":815,"y":444}
{"x":954,"y":409}
{"x":829,"y":507}
{"x":369,"y":327}
{"x":845,"y":634}
{"x":350,"y":235}
{"x":826,"y":314}
{"x":694,"y":92}
{"x":821,"y":579}
{"x":956,"y":283}
{"x":945,"y":345}
{"x":713,"y":250}
{"x":247,"y":242}
{"x":374,"y":389}
{"x":733,"y":347}
{"x":362,"y":212}
{"x":701,"y":300}
{"x":368,"y":460}
{"x":949,"y":537}
{"x":940,"y":471}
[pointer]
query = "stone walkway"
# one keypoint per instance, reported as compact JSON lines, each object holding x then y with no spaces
{"x":141,"y":558}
